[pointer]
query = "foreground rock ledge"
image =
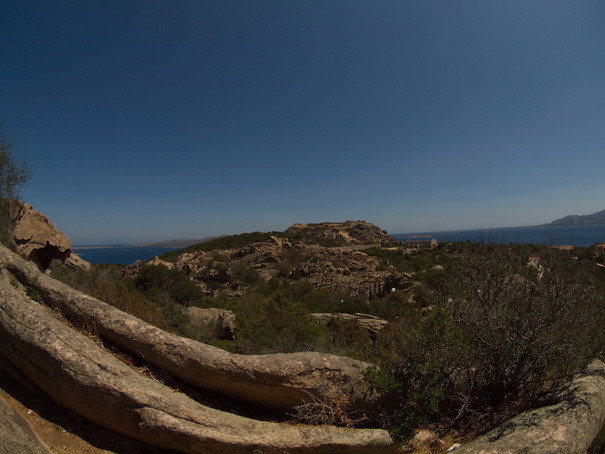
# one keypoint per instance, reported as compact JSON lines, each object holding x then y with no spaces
{"x":277,"y":382}
{"x":87,"y":379}
{"x":569,"y":426}
{"x":16,"y":434}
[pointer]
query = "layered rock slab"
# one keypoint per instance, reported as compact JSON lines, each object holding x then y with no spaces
{"x":276,"y":381}
{"x":80,"y":375}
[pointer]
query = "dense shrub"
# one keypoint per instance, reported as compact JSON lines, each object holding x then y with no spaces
{"x":157,"y":279}
{"x":278,"y":326}
{"x":105,"y":283}
{"x":502,"y":333}
{"x":395,"y":306}
{"x":419,"y":371}
{"x":347,"y":338}
{"x":121,"y":297}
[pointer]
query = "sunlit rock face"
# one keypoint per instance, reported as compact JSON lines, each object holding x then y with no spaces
{"x":35,"y":238}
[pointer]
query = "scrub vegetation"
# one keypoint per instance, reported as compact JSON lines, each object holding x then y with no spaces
{"x":476,"y":339}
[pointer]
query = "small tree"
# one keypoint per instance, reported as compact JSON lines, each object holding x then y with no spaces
{"x":13,"y":175}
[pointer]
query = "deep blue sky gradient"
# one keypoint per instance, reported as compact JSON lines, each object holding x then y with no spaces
{"x":148,"y":120}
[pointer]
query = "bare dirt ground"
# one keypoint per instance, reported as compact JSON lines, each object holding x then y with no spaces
{"x":63,"y":431}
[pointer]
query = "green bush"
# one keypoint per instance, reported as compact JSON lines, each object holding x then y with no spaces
{"x":117,"y":294}
{"x":502,"y":332}
{"x":347,"y":338}
{"x":155,"y":278}
{"x":105,"y":283}
{"x":419,"y":371}
{"x":278,"y":326}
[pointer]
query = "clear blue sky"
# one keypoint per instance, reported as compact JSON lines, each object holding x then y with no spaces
{"x":149,"y":120}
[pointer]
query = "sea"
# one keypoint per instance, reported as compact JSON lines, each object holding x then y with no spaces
{"x":120,"y":255}
{"x":577,"y":236}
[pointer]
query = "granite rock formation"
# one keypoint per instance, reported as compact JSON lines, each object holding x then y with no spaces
{"x":35,"y":238}
{"x":341,"y":233}
{"x":344,"y":267}
{"x":212,"y":323}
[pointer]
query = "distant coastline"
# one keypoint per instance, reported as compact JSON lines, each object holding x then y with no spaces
{"x":597,"y":218}
{"x":169,"y":244}
{"x":574,"y":235}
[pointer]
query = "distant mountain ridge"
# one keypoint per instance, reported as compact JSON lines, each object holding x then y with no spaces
{"x":597,"y":218}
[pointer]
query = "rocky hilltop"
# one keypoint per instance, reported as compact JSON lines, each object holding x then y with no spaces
{"x":340,"y":233}
{"x":329,"y":255}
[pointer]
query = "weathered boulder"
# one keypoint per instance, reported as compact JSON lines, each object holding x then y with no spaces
{"x":278,"y":381}
{"x":567,"y":426}
{"x":211,"y":323}
{"x":16,"y":435}
{"x":80,"y":375}
{"x":370,"y":323}
{"x":38,"y":240}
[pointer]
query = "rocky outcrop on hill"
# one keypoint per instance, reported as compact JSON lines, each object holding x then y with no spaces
{"x":341,"y":268}
{"x":38,"y":240}
{"x":340,"y":233}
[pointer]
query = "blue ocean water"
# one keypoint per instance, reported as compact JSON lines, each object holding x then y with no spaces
{"x":578,"y":236}
{"x":122,"y":255}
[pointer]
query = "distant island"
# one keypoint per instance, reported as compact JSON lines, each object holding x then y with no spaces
{"x":597,"y":218}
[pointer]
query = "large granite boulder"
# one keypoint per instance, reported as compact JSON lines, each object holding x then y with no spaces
{"x":369,"y":323}
{"x":35,"y":238}
{"x":211,"y":323}
{"x":345,"y":269}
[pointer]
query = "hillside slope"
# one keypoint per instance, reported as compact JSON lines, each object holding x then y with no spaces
{"x":597,"y":218}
